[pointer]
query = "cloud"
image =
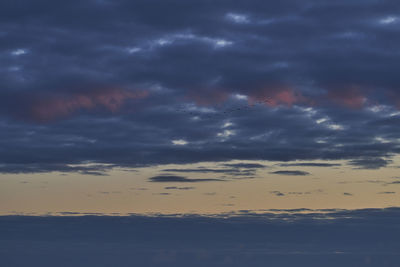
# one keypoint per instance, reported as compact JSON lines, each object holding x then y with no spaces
{"x":370,"y":163}
{"x":88,"y":169}
{"x":179,"y":142}
{"x":179,"y":188}
{"x":277,"y":95}
{"x":47,"y":106}
{"x":139,"y":188}
{"x":295,"y":173}
{"x":277,"y":193}
{"x":237,"y":18}
{"x":89,"y":90}
{"x":178,"y":179}
{"x":310,"y":164}
{"x":233,"y":172}
{"x":200,"y":170}
{"x":350,"y":96}
{"x":245,"y":165}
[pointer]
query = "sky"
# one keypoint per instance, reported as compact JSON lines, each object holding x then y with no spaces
{"x":199,"y":133}
{"x":198,"y":107}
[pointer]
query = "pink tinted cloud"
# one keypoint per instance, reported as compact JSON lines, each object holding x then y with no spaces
{"x":277,"y":95}
{"x":350,"y":96}
{"x":346,"y":95}
{"x":52,"y":107}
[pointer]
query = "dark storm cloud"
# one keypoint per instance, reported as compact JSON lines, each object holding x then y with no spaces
{"x":261,"y":80}
{"x":295,"y":173}
{"x":179,"y":179}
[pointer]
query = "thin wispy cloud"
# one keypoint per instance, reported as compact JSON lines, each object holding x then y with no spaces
{"x":294,"y":173}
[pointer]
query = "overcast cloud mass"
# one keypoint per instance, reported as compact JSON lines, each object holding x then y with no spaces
{"x":140,"y":83}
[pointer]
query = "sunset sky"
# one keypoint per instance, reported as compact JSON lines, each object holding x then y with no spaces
{"x":199,"y":133}
{"x":200,"y":107}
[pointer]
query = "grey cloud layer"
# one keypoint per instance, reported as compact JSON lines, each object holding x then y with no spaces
{"x":324,"y":66}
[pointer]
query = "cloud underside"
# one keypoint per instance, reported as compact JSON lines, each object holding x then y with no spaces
{"x":142,"y":83}
{"x":179,"y":179}
{"x":309,"y":164}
